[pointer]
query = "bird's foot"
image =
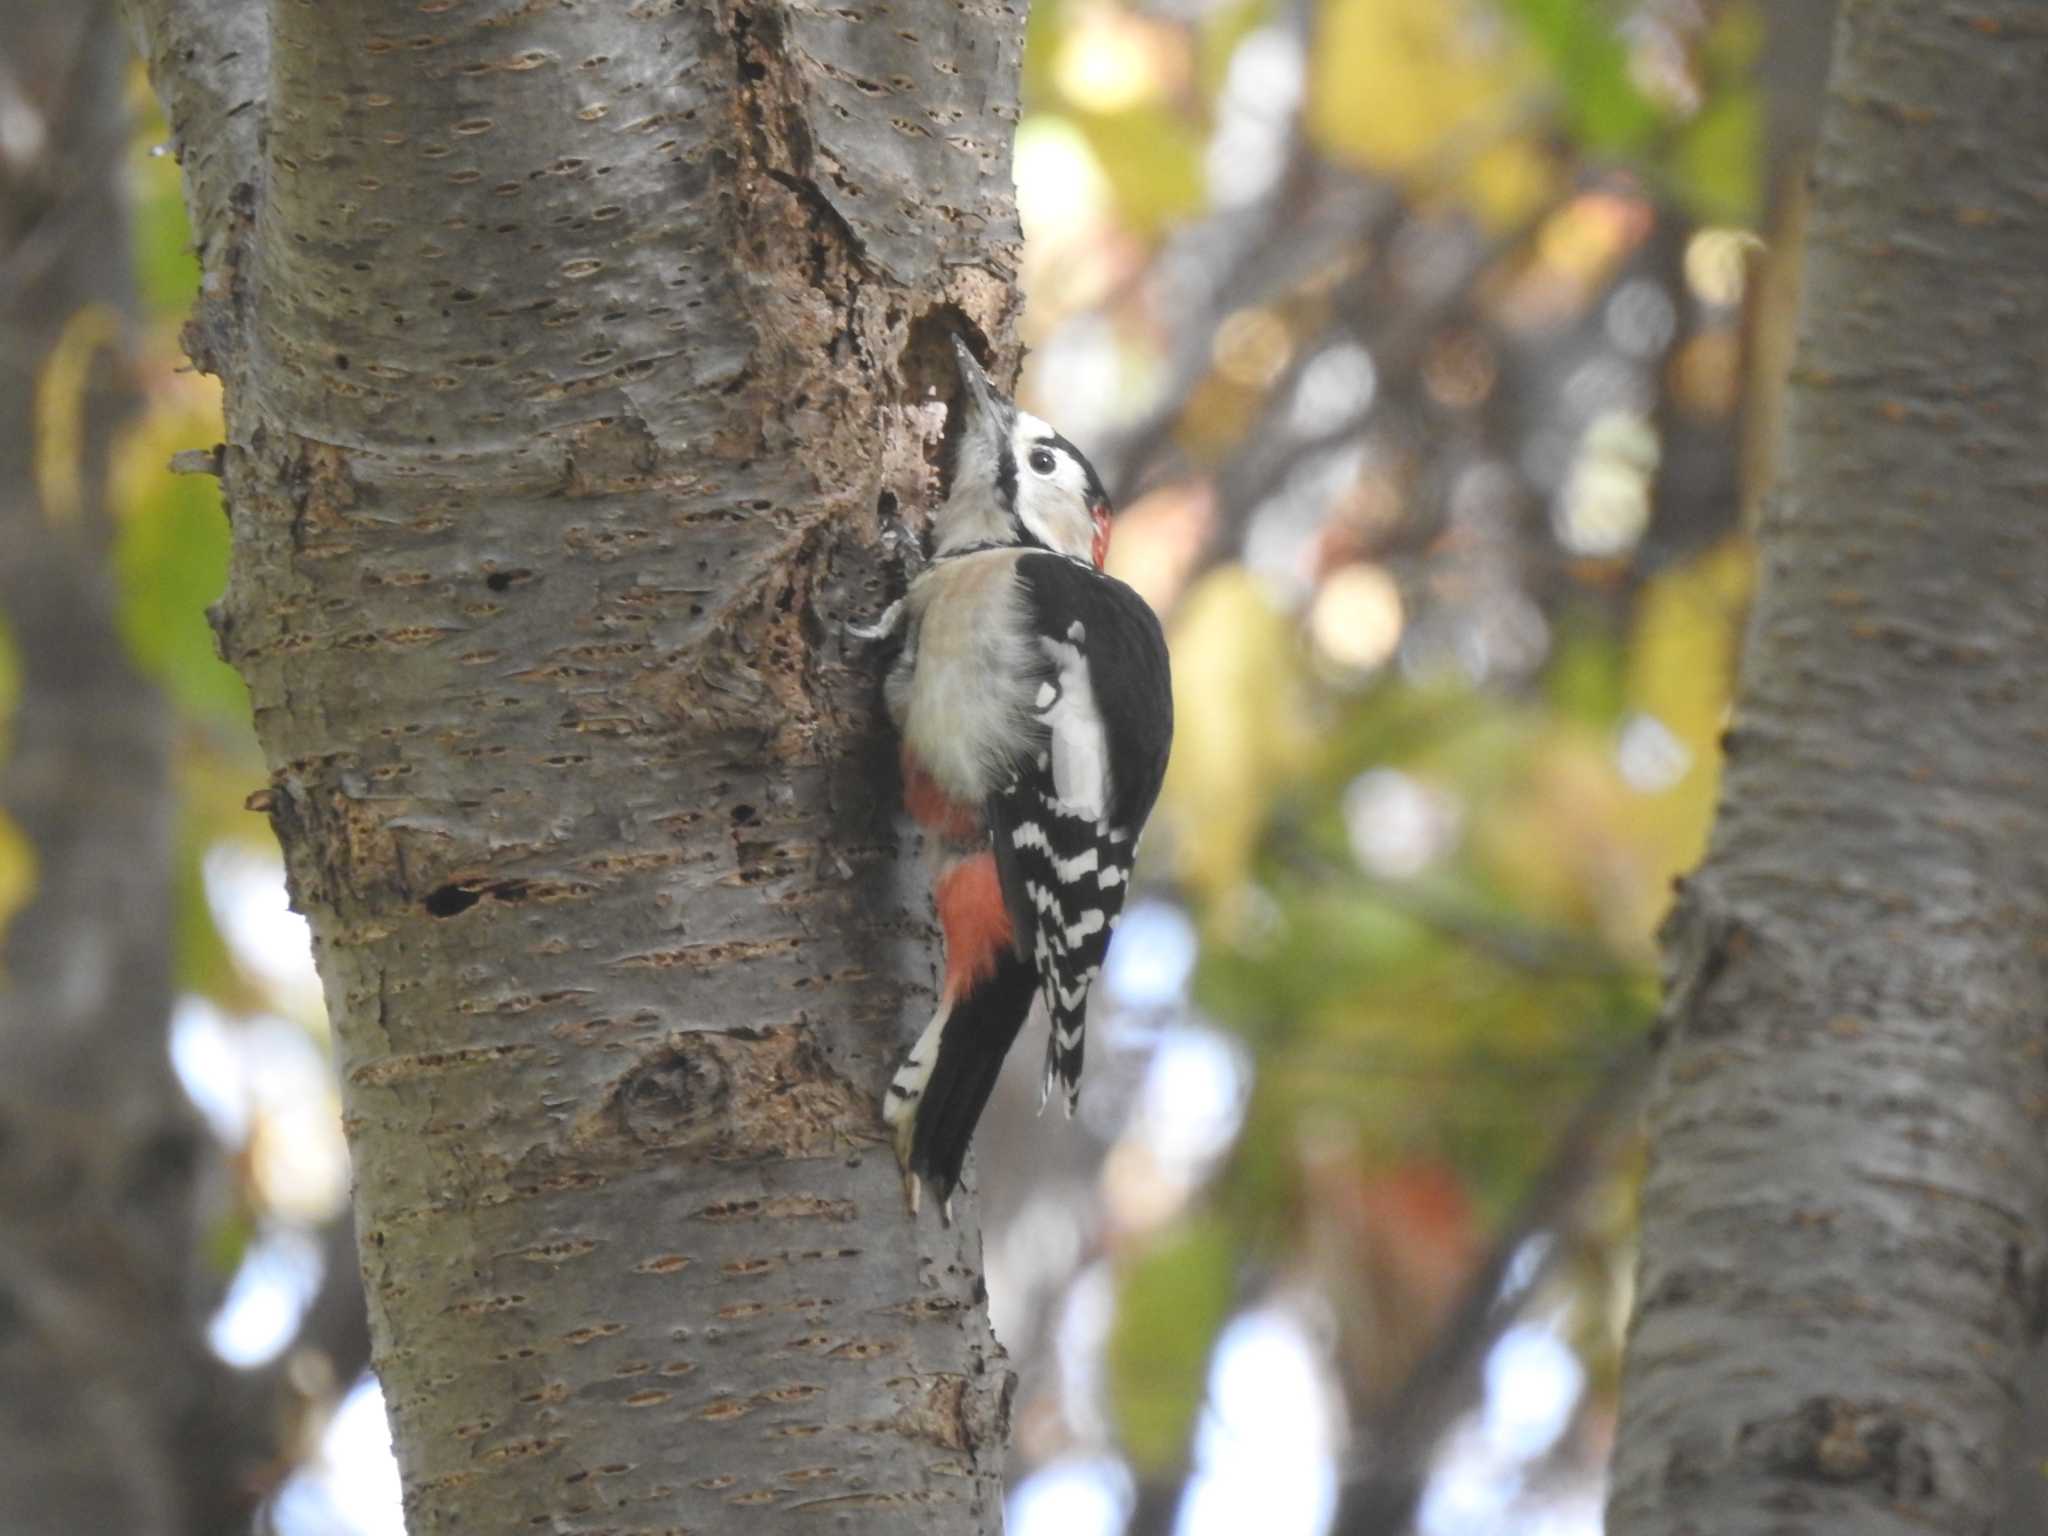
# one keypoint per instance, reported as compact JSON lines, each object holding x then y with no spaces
{"x":887,"y":625}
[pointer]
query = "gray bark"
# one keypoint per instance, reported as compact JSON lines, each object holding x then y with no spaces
{"x":114,"y":1416}
{"x":1844,"y":1264}
{"x":2023,"y":1500}
{"x":1792,"y":72}
{"x":570,"y":353}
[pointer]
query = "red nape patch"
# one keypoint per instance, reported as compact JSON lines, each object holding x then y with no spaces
{"x":932,"y":809}
{"x":976,"y":923}
{"x":1098,"y":512}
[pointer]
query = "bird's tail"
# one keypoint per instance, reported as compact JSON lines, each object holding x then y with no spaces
{"x":945,"y":1080}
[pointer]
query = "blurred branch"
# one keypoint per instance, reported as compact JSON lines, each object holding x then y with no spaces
{"x":1695,"y":492}
{"x":1521,"y":946}
{"x":1251,"y":477}
{"x":1380,"y":1499}
{"x":42,"y":223}
{"x":1546,"y":1065}
{"x":1249,"y":263}
{"x":1316,"y":213}
{"x":337,"y":1323}
{"x":1157,"y":1508}
{"x":1533,"y":948}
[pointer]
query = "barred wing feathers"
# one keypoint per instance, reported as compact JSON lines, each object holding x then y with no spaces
{"x":1066,"y":826}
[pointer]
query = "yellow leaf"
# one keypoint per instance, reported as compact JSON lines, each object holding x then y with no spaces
{"x":1417,"y":88}
{"x":1551,"y":838}
{"x":1239,"y":725}
{"x":17,"y":870}
{"x":17,"y":855}
{"x":1577,"y":838}
{"x":1682,"y":671}
{"x":1152,"y":157}
{"x":1509,"y":182}
{"x":60,"y":407}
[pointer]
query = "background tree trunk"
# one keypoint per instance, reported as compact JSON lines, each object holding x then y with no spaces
{"x":1843,"y":1227}
{"x":115,"y":1417}
{"x":1792,"y":73}
{"x":569,"y":355}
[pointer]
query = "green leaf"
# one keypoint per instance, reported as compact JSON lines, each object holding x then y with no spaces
{"x":166,"y":268}
{"x":1587,"y":680}
{"x":203,"y":963}
{"x":227,"y":1240}
{"x":1170,"y":1307}
{"x":172,"y":561}
{"x":1714,"y":162}
{"x":1153,"y":158}
{"x":1604,"y":111}
{"x":1043,"y":33}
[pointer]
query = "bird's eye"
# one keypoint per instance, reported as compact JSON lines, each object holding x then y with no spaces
{"x":1041,"y":461}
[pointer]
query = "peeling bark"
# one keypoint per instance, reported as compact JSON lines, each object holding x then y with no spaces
{"x":1845,"y":1221}
{"x":570,"y":356}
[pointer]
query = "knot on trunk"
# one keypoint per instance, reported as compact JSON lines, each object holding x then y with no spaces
{"x":736,"y":1094}
{"x":1832,"y":1440}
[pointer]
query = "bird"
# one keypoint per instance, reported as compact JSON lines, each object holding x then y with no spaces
{"x":1033,"y":697}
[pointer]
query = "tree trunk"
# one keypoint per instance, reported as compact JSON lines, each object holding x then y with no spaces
{"x":1792,"y":72}
{"x":114,"y":1416}
{"x":570,"y":353}
{"x":1844,"y":1263}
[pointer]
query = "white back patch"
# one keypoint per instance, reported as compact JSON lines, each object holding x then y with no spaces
{"x":1080,"y":751}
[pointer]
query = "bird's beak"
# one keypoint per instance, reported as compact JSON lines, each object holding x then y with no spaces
{"x":986,"y":409}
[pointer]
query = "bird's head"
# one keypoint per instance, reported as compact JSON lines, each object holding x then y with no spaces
{"x":1016,"y":480}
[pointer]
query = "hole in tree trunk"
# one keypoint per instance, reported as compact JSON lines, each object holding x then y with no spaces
{"x":451,"y":899}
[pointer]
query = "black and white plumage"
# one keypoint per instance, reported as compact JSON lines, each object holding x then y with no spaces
{"x":1065,"y":826}
{"x":1033,"y":697}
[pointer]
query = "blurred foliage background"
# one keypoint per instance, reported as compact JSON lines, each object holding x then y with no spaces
{"x":1417,"y":341}
{"x":1426,"y":346}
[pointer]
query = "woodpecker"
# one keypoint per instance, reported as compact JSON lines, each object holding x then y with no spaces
{"x":1032,"y":696}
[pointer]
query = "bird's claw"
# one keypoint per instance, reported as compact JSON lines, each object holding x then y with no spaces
{"x":901,"y":540}
{"x":913,"y":1189}
{"x":913,"y":1181}
{"x":887,"y":625}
